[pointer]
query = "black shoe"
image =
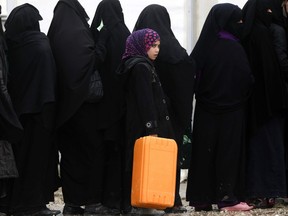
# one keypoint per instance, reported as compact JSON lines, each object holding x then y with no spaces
{"x":41,"y":212}
{"x":72,"y":210}
{"x":175,"y":209}
{"x":262,"y":203}
{"x":203,"y":208}
{"x":99,"y":209}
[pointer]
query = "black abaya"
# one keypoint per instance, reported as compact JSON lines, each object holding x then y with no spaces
{"x":32,"y":85}
{"x":268,"y":100}
{"x":111,"y":108}
{"x":110,"y":111}
{"x":223,"y":86}
{"x":74,"y":51}
{"x":79,"y":137}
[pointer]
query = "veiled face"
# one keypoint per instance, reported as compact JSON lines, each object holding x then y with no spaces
{"x":154,"y":50}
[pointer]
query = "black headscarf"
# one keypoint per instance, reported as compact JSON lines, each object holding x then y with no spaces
{"x":22,"y":19}
{"x":74,"y":51}
{"x":156,"y":17}
{"x":256,"y":11}
{"x":217,"y":20}
{"x":111,"y":107}
{"x":32,"y":77}
{"x":109,"y":12}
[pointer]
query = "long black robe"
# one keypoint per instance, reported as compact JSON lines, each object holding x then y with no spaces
{"x":279,"y":30}
{"x":265,"y":151}
{"x":80,"y":141}
{"x":223,"y":85}
{"x":176,"y":72}
{"x":110,"y":111}
{"x":74,"y":51}
{"x":32,"y":86}
{"x":111,"y":107}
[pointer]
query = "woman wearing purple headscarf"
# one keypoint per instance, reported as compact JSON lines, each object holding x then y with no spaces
{"x":146,"y":104}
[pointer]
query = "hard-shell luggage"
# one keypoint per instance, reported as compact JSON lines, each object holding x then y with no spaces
{"x":154,"y":172}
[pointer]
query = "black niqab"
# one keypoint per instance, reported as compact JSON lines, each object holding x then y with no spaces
{"x":157,"y":18}
{"x":256,"y":11}
{"x":74,"y":51}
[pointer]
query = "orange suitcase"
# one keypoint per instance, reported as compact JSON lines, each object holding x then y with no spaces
{"x":154,"y":172}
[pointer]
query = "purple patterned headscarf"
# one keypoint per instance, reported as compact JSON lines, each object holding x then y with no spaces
{"x":139,"y":42}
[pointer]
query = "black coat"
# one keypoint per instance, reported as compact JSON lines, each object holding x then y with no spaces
{"x":147,"y":111}
{"x":279,"y":29}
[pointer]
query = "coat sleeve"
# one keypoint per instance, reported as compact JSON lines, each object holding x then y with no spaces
{"x":280,"y":45}
{"x":142,"y":82}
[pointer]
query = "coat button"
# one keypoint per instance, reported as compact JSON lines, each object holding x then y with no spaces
{"x":148,"y":125}
{"x":167,"y":118}
{"x":164,"y":101}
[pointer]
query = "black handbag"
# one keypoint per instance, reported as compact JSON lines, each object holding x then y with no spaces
{"x":8,"y":167}
{"x":95,"y":88}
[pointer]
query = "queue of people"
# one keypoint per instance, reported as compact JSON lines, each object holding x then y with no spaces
{"x":237,"y":72}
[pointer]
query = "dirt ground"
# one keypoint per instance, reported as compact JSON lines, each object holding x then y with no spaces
{"x":278,"y":210}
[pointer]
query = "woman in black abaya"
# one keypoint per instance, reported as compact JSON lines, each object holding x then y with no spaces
{"x":265,"y":152}
{"x":32,"y":86}
{"x":224,"y":83}
{"x":279,"y":30}
{"x":110,"y":110}
{"x":83,"y":153}
{"x":176,"y":72}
